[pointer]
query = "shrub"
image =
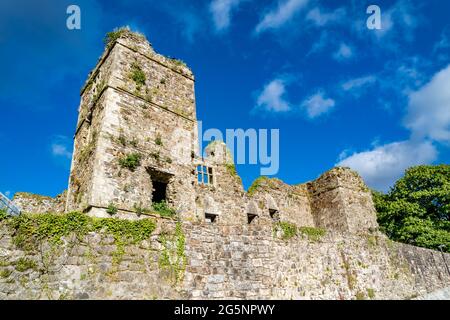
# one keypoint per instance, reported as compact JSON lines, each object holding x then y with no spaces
{"x":112,"y":36}
{"x":137,"y":75}
{"x":314,"y":234}
{"x":289,"y":229}
{"x":131,"y":161}
{"x":163,"y":209}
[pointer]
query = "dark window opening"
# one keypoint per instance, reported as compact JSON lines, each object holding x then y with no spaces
{"x":210,"y":218}
{"x":160,"y":182}
{"x":274,"y":214}
{"x":251,"y":217}
{"x":159,"y":191}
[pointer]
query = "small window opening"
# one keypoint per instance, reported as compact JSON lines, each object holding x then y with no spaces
{"x":251,"y":217}
{"x":210,"y":218}
{"x":204,"y":175}
{"x":274,"y":214}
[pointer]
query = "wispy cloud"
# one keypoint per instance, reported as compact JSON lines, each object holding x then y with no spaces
{"x":272,"y":97}
{"x":318,"y":104}
{"x":221,"y":11}
{"x":398,"y":25}
{"x":321,"y":18}
{"x":283,"y":13}
{"x":358,"y":86}
{"x":444,"y":41}
{"x":344,"y":52}
{"x":60,"y":147}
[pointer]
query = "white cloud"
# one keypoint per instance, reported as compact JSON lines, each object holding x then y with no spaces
{"x":444,"y":41}
{"x":277,"y":17}
{"x":317,"y":105}
{"x":272,"y":97}
{"x":344,"y":52}
{"x":428,"y":119}
{"x":429,"y":109}
{"x":357,"y":85}
{"x":320,"y":18}
{"x":221,"y":11}
{"x":320,"y":44}
{"x":8,"y":193}
{"x":383,"y":165}
{"x":59,"y":147}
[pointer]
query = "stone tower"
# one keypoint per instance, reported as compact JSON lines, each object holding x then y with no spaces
{"x":136,"y":136}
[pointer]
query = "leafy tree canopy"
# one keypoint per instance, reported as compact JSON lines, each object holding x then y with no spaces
{"x":417,"y":208}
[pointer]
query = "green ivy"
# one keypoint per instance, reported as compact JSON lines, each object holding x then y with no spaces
{"x":173,"y":257}
{"x":29,"y":230}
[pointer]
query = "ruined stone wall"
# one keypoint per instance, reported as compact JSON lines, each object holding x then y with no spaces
{"x":291,"y":202}
{"x":34,"y":203}
{"x":341,"y":201}
{"x":239,"y":262}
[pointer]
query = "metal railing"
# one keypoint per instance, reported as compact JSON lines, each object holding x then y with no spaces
{"x":8,"y":206}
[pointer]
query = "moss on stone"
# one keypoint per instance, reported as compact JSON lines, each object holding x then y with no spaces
{"x":313,"y":234}
{"x":24,"y":264}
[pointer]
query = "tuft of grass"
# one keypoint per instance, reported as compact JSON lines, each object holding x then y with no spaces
{"x":158,"y":140}
{"x":289,"y":230}
{"x":256,"y":184}
{"x":131,"y":161}
{"x":313,"y":234}
{"x":137,"y":75}
{"x":112,"y":209}
{"x":163,"y":209}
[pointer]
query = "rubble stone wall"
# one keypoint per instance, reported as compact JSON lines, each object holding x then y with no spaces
{"x":236,"y":262}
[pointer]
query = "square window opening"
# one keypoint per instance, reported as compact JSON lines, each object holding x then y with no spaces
{"x":210,"y":218}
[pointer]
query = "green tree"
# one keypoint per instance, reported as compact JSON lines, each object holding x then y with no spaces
{"x":417,"y":209}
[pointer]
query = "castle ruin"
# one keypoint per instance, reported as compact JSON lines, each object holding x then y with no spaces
{"x":136,"y":144}
{"x":140,"y":106}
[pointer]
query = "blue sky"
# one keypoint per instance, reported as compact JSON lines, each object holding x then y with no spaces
{"x":375,"y":100}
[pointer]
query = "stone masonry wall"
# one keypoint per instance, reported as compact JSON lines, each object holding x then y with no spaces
{"x":34,"y":203}
{"x":239,"y":262}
